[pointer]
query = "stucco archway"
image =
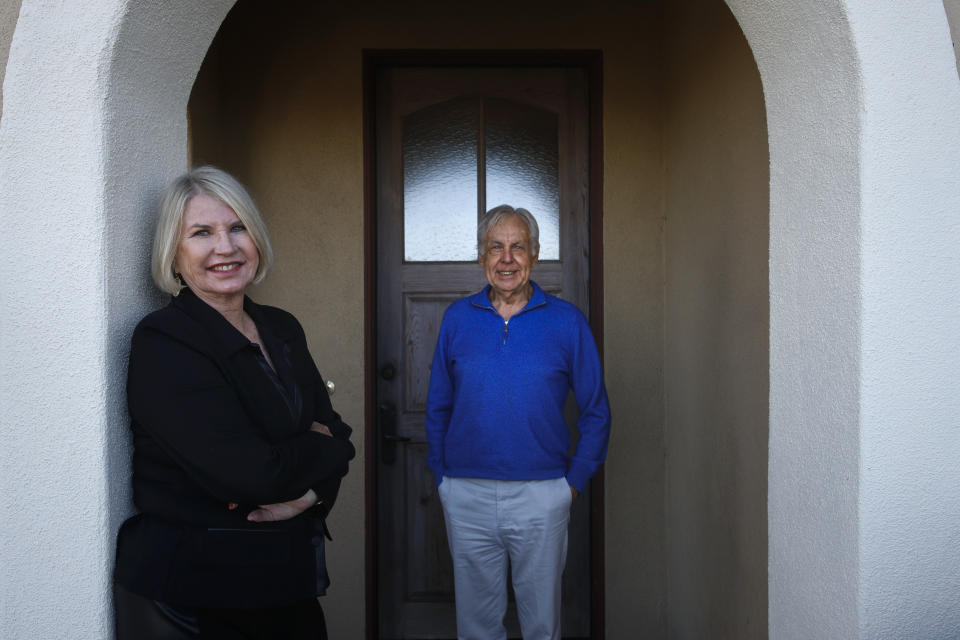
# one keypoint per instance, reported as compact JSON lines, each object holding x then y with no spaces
{"x":862,"y":176}
{"x":84,"y":150}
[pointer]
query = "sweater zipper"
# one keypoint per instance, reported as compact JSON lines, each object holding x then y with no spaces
{"x":506,"y":323}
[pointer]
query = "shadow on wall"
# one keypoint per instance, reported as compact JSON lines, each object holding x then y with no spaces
{"x":9,"y":11}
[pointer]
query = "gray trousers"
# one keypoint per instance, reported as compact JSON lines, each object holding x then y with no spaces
{"x":492,"y":521}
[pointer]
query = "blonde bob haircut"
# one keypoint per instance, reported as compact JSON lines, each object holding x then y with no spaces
{"x":215,"y":183}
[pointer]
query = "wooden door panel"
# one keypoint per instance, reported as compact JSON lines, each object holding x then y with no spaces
{"x":429,"y":568}
{"x":465,"y":279}
{"x":546,"y":110}
{"x":422,"y":315}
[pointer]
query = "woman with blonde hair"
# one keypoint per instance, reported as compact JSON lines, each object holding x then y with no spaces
{"x":238,"y":453}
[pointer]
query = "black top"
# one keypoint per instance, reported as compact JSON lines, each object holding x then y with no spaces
{"x":213,"y":424}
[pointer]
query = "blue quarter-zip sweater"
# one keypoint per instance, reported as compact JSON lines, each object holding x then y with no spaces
{"x":497,"y":392}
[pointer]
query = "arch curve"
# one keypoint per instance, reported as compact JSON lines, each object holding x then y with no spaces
{"x":810,"y":70}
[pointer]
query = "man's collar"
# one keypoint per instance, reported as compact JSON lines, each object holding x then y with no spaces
{"x":482,"y":298}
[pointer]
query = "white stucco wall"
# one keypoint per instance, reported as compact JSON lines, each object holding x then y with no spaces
{"x":55,"y":542}
{"x":910,"y":327}
{"x":9,"y":11}
{"x":94,"y":121}
{"x":952,"y":8}
{"x":811,"y":82}
{"x":862,"y":113}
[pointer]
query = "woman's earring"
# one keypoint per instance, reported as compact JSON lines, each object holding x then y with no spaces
{"x":179,"y":278}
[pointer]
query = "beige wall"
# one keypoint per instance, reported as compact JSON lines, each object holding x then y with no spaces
{"x":9,"y":11}
{"x":717,"y":322}
{"x":279,"y":103}
{"x":633,"y":324}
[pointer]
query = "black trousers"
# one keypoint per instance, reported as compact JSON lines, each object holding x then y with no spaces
{"x":139,"y":618}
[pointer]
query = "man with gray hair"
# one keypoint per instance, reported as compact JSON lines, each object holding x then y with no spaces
{"x":505,"y":362}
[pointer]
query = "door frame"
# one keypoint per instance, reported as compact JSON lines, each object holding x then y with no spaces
{"x":373,"y":59}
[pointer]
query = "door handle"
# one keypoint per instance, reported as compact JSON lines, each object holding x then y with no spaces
{"x":388,"y":433}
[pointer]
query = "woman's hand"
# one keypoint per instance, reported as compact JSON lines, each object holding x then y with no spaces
{"x":293,"y":508}
{"x":321,"y":428}
{"x":284,"y":510}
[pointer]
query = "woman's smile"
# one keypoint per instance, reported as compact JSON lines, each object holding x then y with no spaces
{"x":226,"y":267}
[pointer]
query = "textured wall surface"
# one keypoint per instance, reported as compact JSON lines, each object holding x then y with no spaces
{"x":808,"y":65}
{"x":9,"y":11}
{"x":716,"y":362}
{"x":910,"y":388}
{"x":864,"y":312}
{"x":952,"y":8}
{"x":633,"y":324}
{"x":94,"y":122}
{"x":53,"y":335}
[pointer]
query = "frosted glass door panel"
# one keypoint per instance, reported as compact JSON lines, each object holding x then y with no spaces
{"x":522,"y":166}
{"x":440,"y":182}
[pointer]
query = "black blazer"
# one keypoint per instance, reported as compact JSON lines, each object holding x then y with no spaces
{"x":213,"y":424}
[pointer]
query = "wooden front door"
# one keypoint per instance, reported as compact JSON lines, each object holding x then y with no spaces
{"x":451,"y":143}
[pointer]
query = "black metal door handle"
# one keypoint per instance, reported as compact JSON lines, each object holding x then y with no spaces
{"x":388,"y":433}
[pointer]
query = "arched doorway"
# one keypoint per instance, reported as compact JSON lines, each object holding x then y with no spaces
{"x":87,"y":148}
{"x":275,"y":104}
